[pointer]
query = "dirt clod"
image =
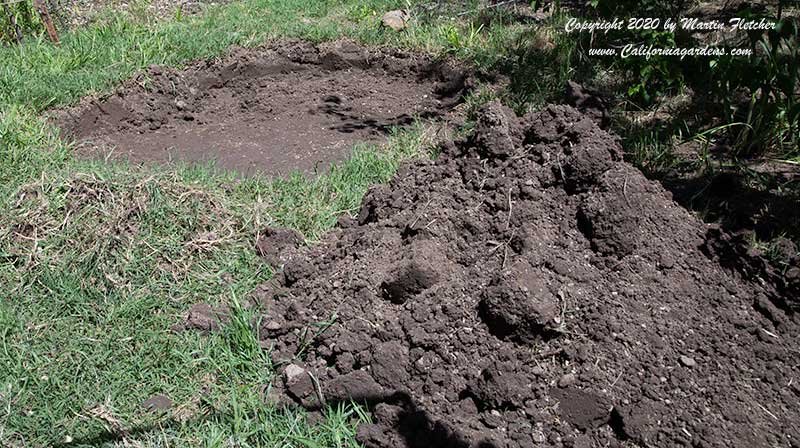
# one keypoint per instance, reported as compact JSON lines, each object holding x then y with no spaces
{"x":519,"y":306}
{"x":585,"y":410}
{"x":202,"y":317}
{"x":567,"y":380}
{"x":278,"y":245}
{"x":416,"y":272}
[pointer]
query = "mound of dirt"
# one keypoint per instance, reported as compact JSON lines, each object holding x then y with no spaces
{"x":290,"y":106}
{"x":529,"y":288}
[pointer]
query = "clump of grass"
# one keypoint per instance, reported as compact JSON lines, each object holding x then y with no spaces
{"x":28,"y":146}
{"x":651,"y":154}
{"x":539,"y":64}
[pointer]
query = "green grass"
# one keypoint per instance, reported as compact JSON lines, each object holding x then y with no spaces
{"x":98,"y":261}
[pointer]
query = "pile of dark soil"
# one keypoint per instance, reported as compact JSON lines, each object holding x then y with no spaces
{"x":289,"y":106}
{"x":529,"y":288}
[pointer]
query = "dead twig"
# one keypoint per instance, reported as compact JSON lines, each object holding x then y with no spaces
{"x":775,"y":417}
{"x":48,"y":21}
{"x":510,"y":209}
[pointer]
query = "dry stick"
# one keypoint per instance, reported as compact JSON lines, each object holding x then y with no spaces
{"x":48,"y":21}
{"x":12,"y":19}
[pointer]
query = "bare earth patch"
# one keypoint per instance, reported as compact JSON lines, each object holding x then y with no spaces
{"x":270,"y":111}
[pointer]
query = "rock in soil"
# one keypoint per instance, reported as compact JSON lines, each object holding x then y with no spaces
{"x":530,"y":288}
{"x":157,"y":403}
{"x":202,"y":317}
{"x":396,"y":20}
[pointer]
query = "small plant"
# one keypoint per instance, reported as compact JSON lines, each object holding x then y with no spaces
{"x":652,"y":155}
{"x":458,"y":41}
{"x":774,"y":110}
{"x":360,"y":12}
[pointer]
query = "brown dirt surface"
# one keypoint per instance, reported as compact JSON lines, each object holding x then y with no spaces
{"x":529,"y":288}
{"x":289,"y":106}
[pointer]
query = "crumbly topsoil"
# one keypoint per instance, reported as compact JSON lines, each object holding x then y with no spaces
{"x":288,"y":106}
{"x":529,"y":288}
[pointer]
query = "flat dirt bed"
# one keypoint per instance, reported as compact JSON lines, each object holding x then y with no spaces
{"x":291,"y":106}
{"x":526,"y":289}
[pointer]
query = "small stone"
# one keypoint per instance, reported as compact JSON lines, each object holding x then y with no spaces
{"x":396,"y":20}
{"x":180,"y":104}
{"x":567,"y":380}
{"x":272,"y":326}
{"x":300,"y":387}
{"x":157,"y":403}
{"x":492,"y":419}
{"x":291,"y":372}
{"x":687,"y":361}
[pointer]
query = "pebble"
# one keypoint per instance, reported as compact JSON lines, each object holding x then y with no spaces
{"x":687,"y":361}
{"x":567,"y":380}
{"x":272,"y":325}
{"x":492,"y":419}
{"x":292,"y":371}
{"x":157,"y":403}
{"x":396,"y":20}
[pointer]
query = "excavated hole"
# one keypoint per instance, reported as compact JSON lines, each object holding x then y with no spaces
{"x":290,"y":106}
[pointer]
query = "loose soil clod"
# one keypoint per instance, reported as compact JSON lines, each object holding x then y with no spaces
{"x":290,"y":106}
{"x":541,"y":292}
